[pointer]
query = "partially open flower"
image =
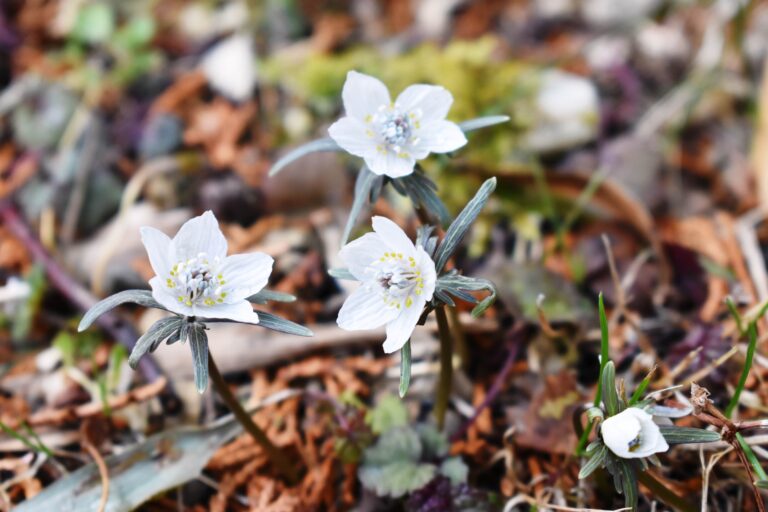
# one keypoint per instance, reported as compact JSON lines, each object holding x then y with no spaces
{"x":389,"y":136}
{"x":632,"y":434}
{"x":195,"y":277}
{"x":397,"y":277}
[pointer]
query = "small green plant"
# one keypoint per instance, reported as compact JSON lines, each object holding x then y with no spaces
{"x":412,"y":462}
{"x":628,"y":439}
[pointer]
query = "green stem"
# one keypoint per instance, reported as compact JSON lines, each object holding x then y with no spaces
{"x":446,"y":367}
{"x":751,"y":457}
{"x":275,"y":455}
{"x":752,"y":336}
{"x":604,"y":358}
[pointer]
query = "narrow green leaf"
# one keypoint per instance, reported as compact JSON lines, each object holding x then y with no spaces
{"x":275,"y":323}
{"x":628,"y":477}
{"x":594,"y":462}
{"x":482,"y":122}
{"x":762,"y":484}
{"x":608,"y":385}
{"x":686,"y":435}
{"x":751,"y":345}
{"x":198,"y":343}
{"x":459,"y":228}
{"x":642,"y":387}
{"x":363,"y":186}
{"x":156,"y":334}
{"x":324,"y":144}
{"x":405,"y":368}
{"x":604,"y":345}
{"x":342,"y":273}
{"x":264,"y":296}
{"x":141,"y":297}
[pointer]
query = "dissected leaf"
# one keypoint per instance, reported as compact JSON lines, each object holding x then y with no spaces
{"x":482,"y":122}
{"x":342,"y":273}
{"x":595,"y":461}
{"x":275,"y":323}
{"x":141,"y":297}
{"x":265,"y":296}
{"x":363,"y":187}
{"x":459,"y":228}
{"x":685,"y":435}
{"x":198,"y":343}
{"x":156,"y":334}
{"x":405,"y":368}
{"x":324,"y":144}
{"x":423,"y":192}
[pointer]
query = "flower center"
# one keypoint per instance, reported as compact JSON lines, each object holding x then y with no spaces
{"x":398,"y":278}
{"x":395,"y":128}
{"x":635,"y":443}
{"x":197,"y":281}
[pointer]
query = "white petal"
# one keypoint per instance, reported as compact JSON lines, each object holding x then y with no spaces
{"x":230,"y":67}
{"x":364,"y":309}
{"x":428,"y":273}
{"x":432,"y":101}
{"x":241,"y":311}
{"x":389,"y":164}
{"x":352,"y":135}
{"x":201,"y":234}
{"x":440,"y":137}
{"x":245,"y":274}
{"x":400,"y":329}
{"x":621,"y":430}
{"x":162,"y":294}
{"x":358,"y":254}
{"x":363,"y":95}
{"x":159,"y":249}
{"x":391,"y":234}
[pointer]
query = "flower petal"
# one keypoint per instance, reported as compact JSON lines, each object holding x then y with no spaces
{"x":201,"y":234}
{"x":358,"y":254}
{"x":241,"y":311}
{"x":245,"y":274}
{"x":391,"y":234}
{"x":363,"y":95}
{"x":364,"y":309}
{"x":159,"y":249}
{"x":428,"y":273}
{"x":389,"y":164}
{"x":352,"y":135}
{"x":401,"y":328}
{"x":165,"y":297}
{"x":432,"y":101}
{"x":440,"y":137}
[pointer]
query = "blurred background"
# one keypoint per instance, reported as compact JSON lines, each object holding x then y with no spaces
{"x":635,"y":125}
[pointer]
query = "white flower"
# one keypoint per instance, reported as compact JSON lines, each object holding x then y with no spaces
{"x":230,"y":67}
{"x":390,"y":137}
{"x":195,"y":277}
{"x":15,"y":292}
{"x":397,"y":281}
{"x":632,"y":434}
{"x":567,"y":109}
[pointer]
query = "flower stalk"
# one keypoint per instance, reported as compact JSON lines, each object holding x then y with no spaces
{"x":276,"y":456}
{"x":446,"y":367}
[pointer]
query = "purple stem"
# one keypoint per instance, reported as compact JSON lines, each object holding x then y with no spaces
{"x":72,"y":290}
{"x":513,"y":345}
